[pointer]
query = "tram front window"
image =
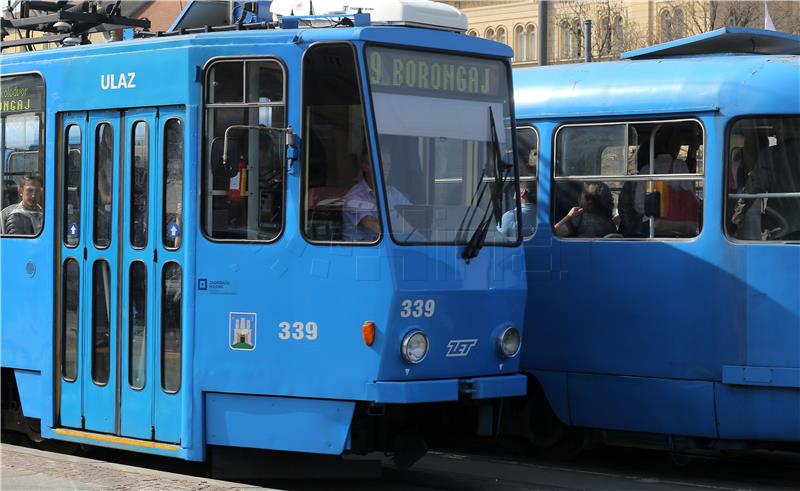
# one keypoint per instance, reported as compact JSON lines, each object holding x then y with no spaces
{"x":445,"y":145}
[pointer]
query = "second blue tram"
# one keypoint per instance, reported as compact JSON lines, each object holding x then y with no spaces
{"x":278,"y":238}
{"x":664,"y":274}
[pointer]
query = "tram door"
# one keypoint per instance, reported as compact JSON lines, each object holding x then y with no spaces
{"x":122,"y":273}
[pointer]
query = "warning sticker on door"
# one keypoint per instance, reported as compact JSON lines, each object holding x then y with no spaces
{"x":242,"y":330}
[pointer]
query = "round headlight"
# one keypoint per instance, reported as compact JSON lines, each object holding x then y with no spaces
{"x":414,"y":347}
{"x":509,"y":342}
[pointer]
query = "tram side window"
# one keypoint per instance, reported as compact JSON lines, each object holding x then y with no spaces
{"x":244,"y":169}
{"x":629,"y":180}
{"x":72,"y":186}
{"x":171,"y":326}
{"x":528,"y":160}
{"x":140,"y":181}
{"x":22,"y":170}
{"x":338,"y":177}
{"x":103,"y":184}
{"x":763,"y":179}
{"x":173,"y":184}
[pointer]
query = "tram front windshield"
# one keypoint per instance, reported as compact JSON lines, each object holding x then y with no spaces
{"x":443,"y":124}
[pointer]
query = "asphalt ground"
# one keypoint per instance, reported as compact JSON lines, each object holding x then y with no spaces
{"x":487,"y":468}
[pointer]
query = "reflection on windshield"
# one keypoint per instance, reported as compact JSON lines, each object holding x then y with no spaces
{"x":444,"y":173}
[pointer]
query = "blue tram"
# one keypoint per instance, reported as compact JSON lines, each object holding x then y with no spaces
{"x":280,"y":236}
{"x":664,"y":275}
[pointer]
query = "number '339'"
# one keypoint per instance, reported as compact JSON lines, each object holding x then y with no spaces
{"x":297,"y":331}
{"x":417,"y":308}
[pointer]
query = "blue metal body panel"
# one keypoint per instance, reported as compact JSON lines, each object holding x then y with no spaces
{"x":677,"y":407}
{"x":31,"y":391}
{"x":419,"y":391}
{"x":291,"y":280}
{"x":758,"y":413}
{"x":278,"y":423}
{"x":655,"y":329}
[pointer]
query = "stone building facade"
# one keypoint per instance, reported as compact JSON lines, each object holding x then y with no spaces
{"x":617,"y":25}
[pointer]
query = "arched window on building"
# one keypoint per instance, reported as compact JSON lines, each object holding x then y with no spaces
{"x":679,"y":29}
{"x":519,"y":44}
{"x":666,"y":26}
{"x":619,"y":34}
{"x":577,"y":36}
{"x":489,"y":34}
{"x":472,"y":32}
{"x":605,"y":31}
{"x":501,"y":35}
{"x":530,"y":36}
{"x":566,"y":40}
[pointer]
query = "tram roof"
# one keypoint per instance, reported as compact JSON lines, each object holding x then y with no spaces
{"x":406,"y":36}
{"x":731,"y":84}
{"x":741,"y":40}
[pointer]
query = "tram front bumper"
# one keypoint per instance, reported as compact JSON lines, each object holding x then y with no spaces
{"x":418,"y":391}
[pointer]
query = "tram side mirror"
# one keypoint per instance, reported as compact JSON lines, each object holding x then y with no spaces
{"x":218,"y":168}
{"x":652,"y":204}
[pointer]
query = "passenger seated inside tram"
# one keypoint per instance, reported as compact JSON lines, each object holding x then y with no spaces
{"x":677,"y":212}
{"x":508,"y":224}
{"x":360,"y":221}
{"x":749,"y":173}
{"x":592,"y":218}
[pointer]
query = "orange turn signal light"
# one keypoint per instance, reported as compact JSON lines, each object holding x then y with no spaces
{"x":368,"y":332}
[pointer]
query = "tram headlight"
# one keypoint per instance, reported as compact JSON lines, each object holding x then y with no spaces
{"x":414,"y":347}
{"x":509,"y":342}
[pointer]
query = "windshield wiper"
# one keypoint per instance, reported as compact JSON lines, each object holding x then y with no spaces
{"x":501,"y":169}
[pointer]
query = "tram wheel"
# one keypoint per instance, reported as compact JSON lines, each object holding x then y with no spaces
{"x":549,"y":437}
{"x":407,"y":449}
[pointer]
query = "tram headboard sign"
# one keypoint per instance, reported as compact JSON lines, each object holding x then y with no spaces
{"x":22,"y":93}
{"x":437,"y":74}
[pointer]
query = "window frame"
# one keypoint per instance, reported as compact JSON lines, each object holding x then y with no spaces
{"x":634,"y":178}
{"x":360,"y":76}
{"x":115,"y":129}
{"x":63,"y":346}
{"x":726,"y":166}
{"x":162,"y":352}
{"x":64,"y":150}
{"x":162,"y":186}
{"x":205,"y":148}
{"x":501,"y":30}
{"x":133,"y":169}
{"x":535,"y":177}
{"x":42,"y":148}
{"x":93,"y":326}
{"x":146,"y":333}
{"x":530,"y":42}
{"x":520,"y":43}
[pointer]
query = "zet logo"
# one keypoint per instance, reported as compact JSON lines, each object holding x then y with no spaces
{"x":460,"y":347}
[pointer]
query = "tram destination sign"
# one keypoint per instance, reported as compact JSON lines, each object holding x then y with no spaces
{"x":22,"y":93}
{"x":434,"y":74}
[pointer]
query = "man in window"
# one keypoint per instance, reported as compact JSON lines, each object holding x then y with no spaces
{"x":360,"y":213}
{"x":508,"y":224}
{"x":25,"y":217}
